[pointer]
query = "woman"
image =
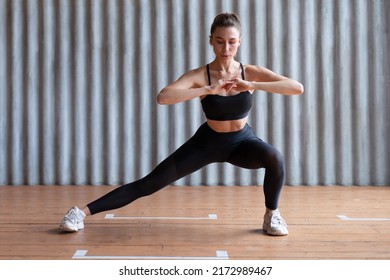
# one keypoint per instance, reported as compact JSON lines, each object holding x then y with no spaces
{"x":225,"y":89}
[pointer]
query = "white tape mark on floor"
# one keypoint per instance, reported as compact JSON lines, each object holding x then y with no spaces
{"x":112,"y":216}
{"x":345,"y":218}
{"x":82,"y":254}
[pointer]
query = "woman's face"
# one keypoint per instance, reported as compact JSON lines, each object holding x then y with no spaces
{"x":225,"y":42}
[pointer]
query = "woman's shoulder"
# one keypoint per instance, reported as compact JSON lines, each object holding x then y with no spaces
{"x":197,"y":71}
{"x":254,"y":72}
{"x":196,"y":74}
{"x":253,"y":68}
{"x":194,"y":77}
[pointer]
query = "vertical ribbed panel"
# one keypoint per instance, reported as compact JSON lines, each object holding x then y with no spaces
{"x":78,"y":81}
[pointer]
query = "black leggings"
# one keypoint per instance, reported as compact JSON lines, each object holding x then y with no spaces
{"x":241,"y":148}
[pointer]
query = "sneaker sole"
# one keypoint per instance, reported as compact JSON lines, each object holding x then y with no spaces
{"x":273,"y":233}
{"x":71,"y":229}
{"x":66,"y":229}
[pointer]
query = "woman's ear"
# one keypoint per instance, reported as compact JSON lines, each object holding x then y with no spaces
{"x":211,"y":39}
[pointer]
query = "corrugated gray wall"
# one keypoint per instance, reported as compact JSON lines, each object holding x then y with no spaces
{"x":78,"y":81}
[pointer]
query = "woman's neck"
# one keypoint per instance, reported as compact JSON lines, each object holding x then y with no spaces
{"x":225,"y":66}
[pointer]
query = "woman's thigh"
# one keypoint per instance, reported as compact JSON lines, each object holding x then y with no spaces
{"x":253,"y":154}
{"x":185,"y":160}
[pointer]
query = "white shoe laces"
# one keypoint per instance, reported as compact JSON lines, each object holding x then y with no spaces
{"x":277,"y":220}
{"x":72,"y":216}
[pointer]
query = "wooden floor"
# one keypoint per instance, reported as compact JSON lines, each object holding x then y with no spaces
{"x":197,"y":223}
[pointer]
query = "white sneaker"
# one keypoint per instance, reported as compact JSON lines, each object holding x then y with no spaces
{"x":73,"y":220}
{"x":274,"y":224}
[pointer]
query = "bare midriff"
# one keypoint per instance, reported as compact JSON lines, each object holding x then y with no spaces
{"x":227,"y":126}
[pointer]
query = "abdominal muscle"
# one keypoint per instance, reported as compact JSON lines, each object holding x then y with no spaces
{"x":227,"y":126}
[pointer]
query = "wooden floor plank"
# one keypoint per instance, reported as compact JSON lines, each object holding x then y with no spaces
{"x":166,"y":224}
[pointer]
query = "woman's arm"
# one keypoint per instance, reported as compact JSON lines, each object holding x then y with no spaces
{"x":259,"y":78}
{"x":188,"y":87}
{"x":181,"y":90}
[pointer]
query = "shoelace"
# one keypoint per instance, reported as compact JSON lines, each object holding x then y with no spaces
{"x":278,"y":220}
{"x":72,"y":216}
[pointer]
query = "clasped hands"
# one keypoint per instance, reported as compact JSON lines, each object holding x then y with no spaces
{"x":226,"y":86}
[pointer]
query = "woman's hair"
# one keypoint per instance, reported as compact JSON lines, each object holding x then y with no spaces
{"x":226,"y":20}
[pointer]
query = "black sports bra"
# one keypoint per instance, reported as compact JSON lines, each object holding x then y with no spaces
{"x":232,"y":107}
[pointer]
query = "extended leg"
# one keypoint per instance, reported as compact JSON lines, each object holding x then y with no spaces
{"x":187,"y":159}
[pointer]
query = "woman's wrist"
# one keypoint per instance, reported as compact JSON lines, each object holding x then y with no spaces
{"x":251,"y":86}
{"x":207,"y":90}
